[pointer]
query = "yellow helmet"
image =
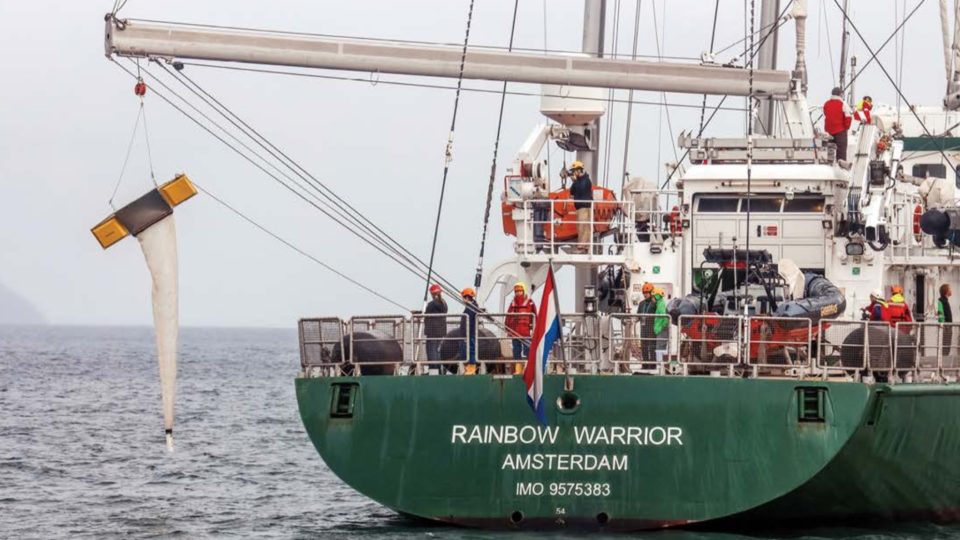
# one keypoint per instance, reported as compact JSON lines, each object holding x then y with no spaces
{"x":520,"y":285}
{"x":576,"y":165}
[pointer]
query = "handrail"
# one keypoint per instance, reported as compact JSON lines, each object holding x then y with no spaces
{"x":693,"y":345}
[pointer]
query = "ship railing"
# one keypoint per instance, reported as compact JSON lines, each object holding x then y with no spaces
{"x":434,"y":337}
{"x":321,"y":346}
{"x":500,"y":350}
{"x":541,"y":229}
{"x":709,"y":344}
{"x":634,"y":347}
{"x":926,"y":351}
{"x":376,"y":344}
{"x":656,"y":214}
{"x":582,"y":347}
{"x":849,"y":349}
{"x":780,"y":346}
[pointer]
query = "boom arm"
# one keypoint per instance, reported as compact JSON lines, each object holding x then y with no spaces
{"x":165,"y":40}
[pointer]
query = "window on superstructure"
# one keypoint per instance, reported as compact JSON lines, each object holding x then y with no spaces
{"x":937,"y":170}
{"x":762,"y":204}
{"x":717,"y":204}
{"x":804,"y":204}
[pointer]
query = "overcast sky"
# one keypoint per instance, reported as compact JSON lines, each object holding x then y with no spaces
{"x":68,"y":114}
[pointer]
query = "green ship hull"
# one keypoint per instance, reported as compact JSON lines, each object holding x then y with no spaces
{"x":632,"y":453}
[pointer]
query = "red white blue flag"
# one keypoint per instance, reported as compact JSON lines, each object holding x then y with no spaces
{"x":546,"y":332}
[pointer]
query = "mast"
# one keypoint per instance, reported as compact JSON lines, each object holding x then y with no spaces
{"x":767,"y":59}
{"x":844,"y":47}
{"x":594,"y":18}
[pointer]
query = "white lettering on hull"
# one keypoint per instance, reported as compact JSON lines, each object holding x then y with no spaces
{"x":564,"y":462}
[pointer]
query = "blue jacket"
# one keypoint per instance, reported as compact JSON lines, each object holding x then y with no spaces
{"x":582,"y":191}
{"x":470,"y":309}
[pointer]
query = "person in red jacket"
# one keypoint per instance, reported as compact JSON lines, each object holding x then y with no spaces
{"x":520,"y":317}
{"x":837,"y":120}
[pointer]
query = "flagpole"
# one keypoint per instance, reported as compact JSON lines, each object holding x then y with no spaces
{"x":556,"y":302}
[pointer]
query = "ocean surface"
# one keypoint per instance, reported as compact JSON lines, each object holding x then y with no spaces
{"x":82,"y":453}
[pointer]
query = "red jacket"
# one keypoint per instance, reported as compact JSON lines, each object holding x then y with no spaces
{"x":521,"y":325}
{"x":836,"y":116}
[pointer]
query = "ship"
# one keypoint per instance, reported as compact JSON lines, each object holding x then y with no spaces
{"x":770,"y":401}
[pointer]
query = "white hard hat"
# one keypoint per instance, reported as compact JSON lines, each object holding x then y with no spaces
{"x":877,"y":293}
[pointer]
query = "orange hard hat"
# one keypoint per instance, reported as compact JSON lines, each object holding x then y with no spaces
{"x":435,"y":288}
{"x":896,"y":289}
{"x":647,"y":288}
{"x":468,"y":292}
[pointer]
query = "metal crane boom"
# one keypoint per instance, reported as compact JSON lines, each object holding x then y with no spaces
{"x":168,"y":40}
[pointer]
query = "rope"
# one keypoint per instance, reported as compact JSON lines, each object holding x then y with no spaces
{"x":448,"y":154}
{"x":295,"y":248}
{"x":290,"y":188}
{"x":133,"y":136}
{"x":451,"y":291}
{"x":334,"y":202}
{"x":493,"y":164}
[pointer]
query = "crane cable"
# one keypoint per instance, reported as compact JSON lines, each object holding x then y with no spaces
{"x":344,"y":209}
{"x":257,"y":164}
{"x":140,"y":89}
{"x":448,"y":154}
{"x":493,"y":165}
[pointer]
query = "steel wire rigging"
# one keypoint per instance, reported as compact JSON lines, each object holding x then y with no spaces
{"x":274,"y":176}
{"x":448,"y":155}
{"x":477,"y":279}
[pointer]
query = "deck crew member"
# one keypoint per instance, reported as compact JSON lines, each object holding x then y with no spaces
{"x":435,"y":325}
{"x":661,"y":325}
{"x":468,"y":329}
{"x":648,"y":339}
{"x":581,"y":191}
{"x":520,"y":319}
{"x":541,"y":213}
{"x":836,"y":121}
{"x":877,"y":310}
{"x":945,"y":316}
{"x":862,"y":114}
{"x":897,"y":307}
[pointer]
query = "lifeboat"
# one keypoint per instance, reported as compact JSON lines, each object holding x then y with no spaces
{"x":562,"y":226}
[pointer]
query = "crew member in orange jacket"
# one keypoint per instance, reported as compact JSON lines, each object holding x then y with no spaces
{"x":837,"y":120}
{"x":897,"y":308}
{"x":520,"y":318}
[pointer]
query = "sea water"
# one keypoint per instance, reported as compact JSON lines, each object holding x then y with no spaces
{"x":82,"y":451}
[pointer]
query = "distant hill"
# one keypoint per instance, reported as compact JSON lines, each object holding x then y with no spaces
{"x":15,"y":309}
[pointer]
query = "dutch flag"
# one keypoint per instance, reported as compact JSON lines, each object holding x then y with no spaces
{"x":546,"y":332}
